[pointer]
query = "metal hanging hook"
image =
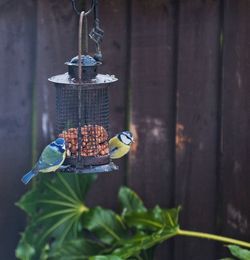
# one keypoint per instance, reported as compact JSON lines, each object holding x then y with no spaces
{"x":82,"y":20}
{"x":79,"y":12}
{"x":96,"y":34}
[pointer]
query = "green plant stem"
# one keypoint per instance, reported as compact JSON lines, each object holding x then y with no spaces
{"x":212,"y":237}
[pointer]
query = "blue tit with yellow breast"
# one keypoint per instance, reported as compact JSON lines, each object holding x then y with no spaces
{"x":120,"y":144}
{"x":50,"y":160}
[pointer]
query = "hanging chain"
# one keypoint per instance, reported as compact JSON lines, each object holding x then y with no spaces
{"x":97,"y":33}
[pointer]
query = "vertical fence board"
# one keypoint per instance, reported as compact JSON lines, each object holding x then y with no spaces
{"x":114,"y":48}
{"x":56,"y":44}
{"x":152,"y":94}
{"x":235,"y":167}
{"x":17,"y":29}
{"x":197,"y":127}
{"x":38,"y":37}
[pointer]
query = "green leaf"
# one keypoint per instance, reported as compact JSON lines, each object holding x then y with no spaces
{"x":130,"y":201}
{"x":55,"y":206}
{"x":58,"y":213}
{"x":154,"y":220}
{"x":77,"y":249}
{"x":103,"y":257}
{"x":105,"y":225}
{"x":240,"y":253}
{"x":25,"y":251}
{"x":27,"y":203}
{"x":45,"y":252}
{"x":127,"y":248}
{"x":138,"y":243}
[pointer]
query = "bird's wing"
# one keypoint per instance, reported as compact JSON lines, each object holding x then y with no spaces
{"x":49,"y":158}
{"x":113,"y":149}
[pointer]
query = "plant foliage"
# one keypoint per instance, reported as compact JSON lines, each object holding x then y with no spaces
{"x":62,"y":227}
{"x":240,"y":253}
{"x":55,"y":207}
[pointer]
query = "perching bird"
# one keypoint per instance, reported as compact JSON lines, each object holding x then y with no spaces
{"x":50,"y":160}
{"x":120,"y":144}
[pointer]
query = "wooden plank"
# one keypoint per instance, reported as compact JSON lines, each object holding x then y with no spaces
{"x":56,"y":43}
{"x":152,"y":89}
{"x":114,"y":48}
{"x":153,"y":104}
{"x":197,"y":124}
{"x":235,"y":167}
{"x":17,"y":49}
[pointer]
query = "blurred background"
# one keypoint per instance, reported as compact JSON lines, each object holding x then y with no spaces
{"x":183,"y":69}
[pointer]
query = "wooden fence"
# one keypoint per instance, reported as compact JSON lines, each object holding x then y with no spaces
{"x":184,"y":90}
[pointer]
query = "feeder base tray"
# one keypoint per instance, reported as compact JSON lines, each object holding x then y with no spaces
{"x":106,"y":168}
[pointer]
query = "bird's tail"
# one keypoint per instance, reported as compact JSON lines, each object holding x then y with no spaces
{"x":28,"y":176}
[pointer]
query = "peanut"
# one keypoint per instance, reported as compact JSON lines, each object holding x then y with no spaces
{"x":94,"y":141}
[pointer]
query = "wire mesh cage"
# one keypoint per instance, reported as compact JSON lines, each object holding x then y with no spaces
{"x":82,"y":108}
{"x":82,"y":119}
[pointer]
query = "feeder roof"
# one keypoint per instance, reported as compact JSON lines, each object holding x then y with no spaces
{"x":98,"y":80}
{"x":87,"y":60}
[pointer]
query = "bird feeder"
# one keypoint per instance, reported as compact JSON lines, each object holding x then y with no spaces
{"x":82,"y":111}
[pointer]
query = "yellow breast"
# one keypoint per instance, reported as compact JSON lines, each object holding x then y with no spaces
{"x":118,"y":148}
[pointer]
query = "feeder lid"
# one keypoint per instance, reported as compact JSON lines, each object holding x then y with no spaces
{"x":100,"y":79}
{"x":87,"y":61}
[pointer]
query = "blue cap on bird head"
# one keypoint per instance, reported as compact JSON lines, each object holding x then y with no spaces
{"x":60,"y":141}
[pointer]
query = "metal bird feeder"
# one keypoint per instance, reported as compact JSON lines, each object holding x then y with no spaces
{"x":82,"y":106}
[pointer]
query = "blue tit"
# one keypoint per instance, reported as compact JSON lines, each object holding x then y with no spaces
{"x":120,"y":144}
{"x":50,"y":160}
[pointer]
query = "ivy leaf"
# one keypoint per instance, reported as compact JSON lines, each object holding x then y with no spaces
{"x":240,"y":253}
{"x":55,"y":206}
{"x":130,"y":201}
{"x":105,"y":225}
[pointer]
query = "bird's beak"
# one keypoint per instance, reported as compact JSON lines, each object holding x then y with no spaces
{"x":133,"y":141}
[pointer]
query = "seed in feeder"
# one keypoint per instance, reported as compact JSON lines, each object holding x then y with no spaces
{"x":85,"y":139}
{"x":73,"y":149}
{"x":94,"y":141}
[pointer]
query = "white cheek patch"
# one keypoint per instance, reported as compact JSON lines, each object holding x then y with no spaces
{"x":125,"y":139}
